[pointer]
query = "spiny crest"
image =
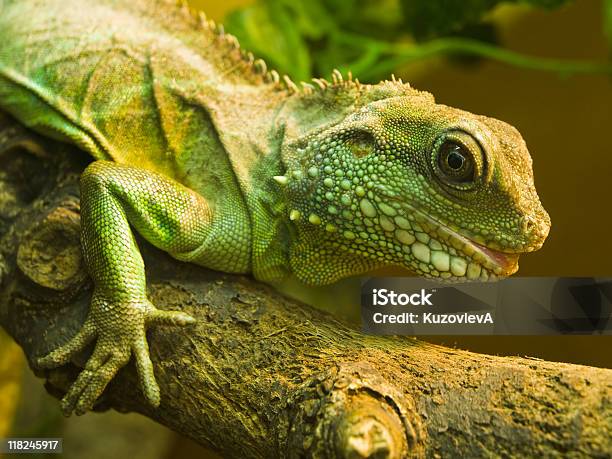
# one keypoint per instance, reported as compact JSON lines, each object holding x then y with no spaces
{"x":317,"y":86}
{"x":257,"y":66}
{"x":321,"y":86}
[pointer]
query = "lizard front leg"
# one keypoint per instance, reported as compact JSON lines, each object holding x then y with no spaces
{"x":170,"y":216}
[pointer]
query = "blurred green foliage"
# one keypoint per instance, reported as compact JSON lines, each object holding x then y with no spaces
{"x":373,"y":38}
{"x":428,"y":19}
{"x":607,"y":18}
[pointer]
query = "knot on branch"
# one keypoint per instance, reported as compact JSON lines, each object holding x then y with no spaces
{"x":355,"y":413}
{"x":368,"y":429}
{"x":49,"y":253}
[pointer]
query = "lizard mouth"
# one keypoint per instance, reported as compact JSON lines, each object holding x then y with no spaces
{"x":501,"y":263}
{"x":468,"y":258}
{"x":507,"y":262}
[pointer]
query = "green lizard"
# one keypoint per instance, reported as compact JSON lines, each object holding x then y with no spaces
{"x":220,"y":162}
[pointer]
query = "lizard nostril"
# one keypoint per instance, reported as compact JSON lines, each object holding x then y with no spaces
{"x":528,"y":224}
{"x":535,"y":229}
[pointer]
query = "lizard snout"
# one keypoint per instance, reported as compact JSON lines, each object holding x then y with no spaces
{"x":535,"y":228}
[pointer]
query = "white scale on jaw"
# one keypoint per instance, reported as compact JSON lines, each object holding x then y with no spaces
{"x":439,"y":255}
{"x":478,"y":262}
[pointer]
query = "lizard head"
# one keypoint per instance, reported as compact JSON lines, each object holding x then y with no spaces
{"x":405,"y":181}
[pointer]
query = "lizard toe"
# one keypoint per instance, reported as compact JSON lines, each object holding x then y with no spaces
{"x":98,"y":382}
{"x":161,"y":317}
{"x":140,"y":348}
{"x":63,"y":354}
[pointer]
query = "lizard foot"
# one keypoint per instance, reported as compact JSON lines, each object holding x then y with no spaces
{"x":119,"y":329}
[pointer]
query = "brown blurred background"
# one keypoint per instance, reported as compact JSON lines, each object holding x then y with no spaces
{"x":566,"y":123}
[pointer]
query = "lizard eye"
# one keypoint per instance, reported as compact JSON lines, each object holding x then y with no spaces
{"x":458,"y":159}
{"x":456,"y":162}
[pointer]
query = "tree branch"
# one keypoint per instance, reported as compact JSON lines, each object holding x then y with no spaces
{"x":261,"y":375}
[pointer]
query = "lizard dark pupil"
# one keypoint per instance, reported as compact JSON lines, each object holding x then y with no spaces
{"x":455,"y":160}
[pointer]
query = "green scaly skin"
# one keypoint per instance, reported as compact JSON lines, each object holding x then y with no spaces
{"x":221,"y":163}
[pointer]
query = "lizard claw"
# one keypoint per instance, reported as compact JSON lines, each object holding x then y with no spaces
{"x":120,"y":330}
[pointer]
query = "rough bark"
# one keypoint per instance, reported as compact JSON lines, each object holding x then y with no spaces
{"x":261,"y":375}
